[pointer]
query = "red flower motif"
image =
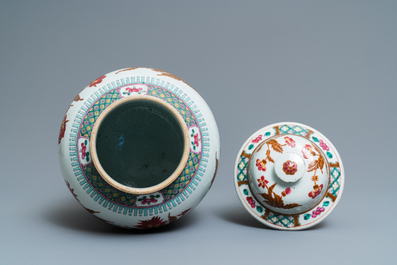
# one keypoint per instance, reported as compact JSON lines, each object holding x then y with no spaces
{"x":251,"y":202}
{"x":83,"y":150}
{"x":262,"y":182}
{"x":184,"y":212}
{"x":149,"y":201}
{"x":196,"y":143}
{"x":155,"y":222}
{"x":261,"y":164}
{"x":134,"y":89}
{"x":97,"y":81}
{"x":63,"y":128}
{"x":289,"y":141}
{"x":257,"y":139}
{"x":317,"y":190}
{"x":307,"y":151}
{"x":290,"y":167}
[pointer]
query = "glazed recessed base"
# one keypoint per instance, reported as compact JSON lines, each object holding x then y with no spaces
{"x":289,"y":176}
{"x":139,"y":144}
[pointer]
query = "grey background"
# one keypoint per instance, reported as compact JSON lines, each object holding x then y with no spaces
{"x":329,"y":64}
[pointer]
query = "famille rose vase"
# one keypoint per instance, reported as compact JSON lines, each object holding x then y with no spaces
{"x":289,"y":176}
{"x":139,"y":148}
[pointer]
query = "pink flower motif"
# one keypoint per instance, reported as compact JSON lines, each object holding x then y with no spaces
{"x":323,"y":145}
{"x":317,"y":212}
{"x":289,"y":141}
{"x":286,"y":192}
{"x":262,"y":182}
{"x":196,"y":143}
{"x":307,"y":151}
{"x":317,"y":190}
{"x":257,"y":139}
{"x":251,"y":202}
{"x":261,"y":164}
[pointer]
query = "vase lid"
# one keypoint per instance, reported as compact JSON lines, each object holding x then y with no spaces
{"x":289,"y":176}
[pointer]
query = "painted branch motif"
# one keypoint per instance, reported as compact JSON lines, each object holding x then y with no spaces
{"x":216,"y":169}
{"x":127,"y":69}
{"x":156,"y":221}
{"x":62,"y":130}
{"x":273,"y":199}
{"x":72,"y":191}
{"x":97,"y":81}
{"x":261,"y":163}
{"x":314,"y":166}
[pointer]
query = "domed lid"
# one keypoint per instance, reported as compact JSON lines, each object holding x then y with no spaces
{"x":289,"y":176}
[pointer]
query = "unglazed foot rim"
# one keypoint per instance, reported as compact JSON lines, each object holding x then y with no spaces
{"x":271,"y":217}
{"x":120,"y":186}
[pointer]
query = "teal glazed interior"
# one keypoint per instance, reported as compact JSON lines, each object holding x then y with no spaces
{"x":140,"y":143}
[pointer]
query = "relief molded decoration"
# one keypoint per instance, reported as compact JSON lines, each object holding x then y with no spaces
{"x":292,"y":184}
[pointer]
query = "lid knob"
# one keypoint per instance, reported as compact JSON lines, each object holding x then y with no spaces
{"x":289,"y":167}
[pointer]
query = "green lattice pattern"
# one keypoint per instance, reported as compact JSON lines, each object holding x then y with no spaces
{"x":286,"y":221}
{"x":293,"y":130}
{"x":125,"y":198}
{"x":94,"y":112}
{"x":188,"y":173}
{"x":334,"y":185}
{"x":175,"y":101}
{"x":242,"y":169}
{"x":105,"y":189}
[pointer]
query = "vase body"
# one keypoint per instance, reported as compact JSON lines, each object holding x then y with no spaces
{"x":143,"y":97}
